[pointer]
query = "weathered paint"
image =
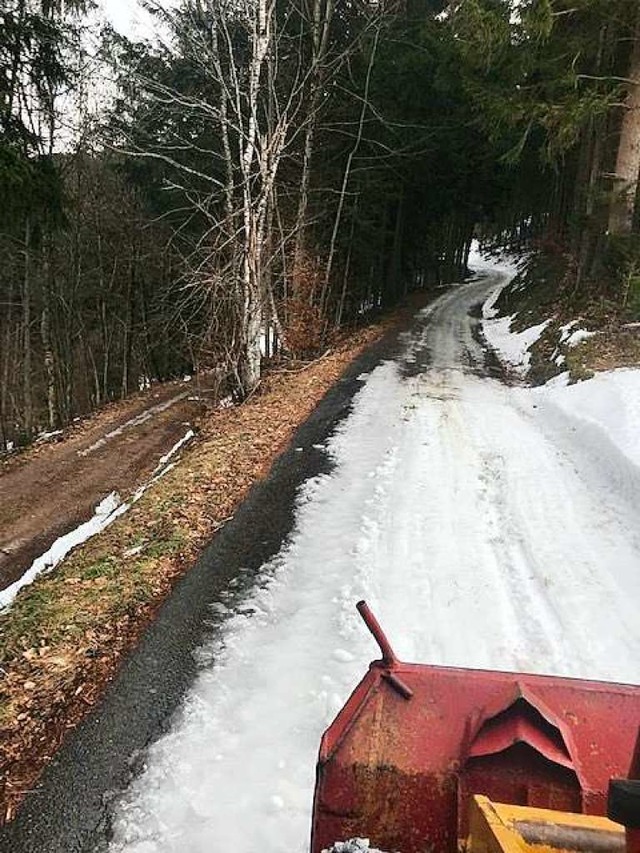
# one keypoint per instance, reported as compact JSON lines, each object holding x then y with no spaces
{"x":399,"y":766}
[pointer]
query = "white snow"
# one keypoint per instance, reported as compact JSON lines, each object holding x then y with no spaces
{"x":186,"y":438}
{"x":605,"y":410}
{"x":105,"y":514}
{"x":565,"y":331}
{"x":571,"y":337}
{"x":578,"y":337}
{"x":142,"y":418}
{"x":483,"y":532}
{"x":47,"y":436}
{"x":512,"y":347}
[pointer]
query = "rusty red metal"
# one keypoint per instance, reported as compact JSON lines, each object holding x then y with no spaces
{"x":413,"y":743}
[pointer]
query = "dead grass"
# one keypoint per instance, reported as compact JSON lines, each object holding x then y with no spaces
{"x":547,"y":291}
{"x":609,"y":349}
{"x":65,"y":635}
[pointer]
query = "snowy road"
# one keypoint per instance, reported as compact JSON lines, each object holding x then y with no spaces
{"x":480,"y":531}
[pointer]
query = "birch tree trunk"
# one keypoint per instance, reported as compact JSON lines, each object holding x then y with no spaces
{"x":249,"y":367}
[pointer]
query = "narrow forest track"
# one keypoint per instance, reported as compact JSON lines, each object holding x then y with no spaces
{"x":483,"y":531}
{"x":53,"y":487}
{"x":476,"y":529}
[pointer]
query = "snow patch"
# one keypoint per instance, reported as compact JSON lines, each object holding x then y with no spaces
{"x":354,"y":845}
{"x":142,"y":418}
{"x":609,"y":402}
{"x":186,"y":438}
{"x":512,"y":347}
{"x":105,"y":514}
{"x":48,"y":436}
{"x":565,"y":331}
{"x":578,"y":337}
{"x":506,"y":264}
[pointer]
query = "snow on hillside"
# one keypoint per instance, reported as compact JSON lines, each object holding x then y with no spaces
{"x":512,"y":347}
{"x":606,"y":408}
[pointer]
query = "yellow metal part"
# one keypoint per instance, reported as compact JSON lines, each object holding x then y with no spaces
{"x":502,"y":828}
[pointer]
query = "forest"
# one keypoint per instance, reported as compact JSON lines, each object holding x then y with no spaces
{"x":270,"y":171}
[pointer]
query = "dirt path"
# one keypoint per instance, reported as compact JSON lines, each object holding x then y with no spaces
{"x":52,"y":488}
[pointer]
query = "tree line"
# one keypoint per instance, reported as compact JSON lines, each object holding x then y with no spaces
{"x":270,"y":171}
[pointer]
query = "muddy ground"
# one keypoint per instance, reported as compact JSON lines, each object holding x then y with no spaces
{"x":52,"y":487}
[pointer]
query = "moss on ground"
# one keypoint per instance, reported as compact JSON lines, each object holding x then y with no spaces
{"x":545,"y":291}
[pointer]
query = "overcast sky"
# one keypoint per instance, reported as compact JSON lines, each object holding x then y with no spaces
{"x":128,"y":18}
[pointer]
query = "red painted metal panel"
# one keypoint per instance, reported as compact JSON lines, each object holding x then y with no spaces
{"x":413,"y":742}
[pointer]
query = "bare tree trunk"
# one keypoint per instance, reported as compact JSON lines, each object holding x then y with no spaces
{"x":47,"y":345}
{"x":224,"y":133}
{"x":345,"y":274}
{"x":254,"y":210}
{"x":321,"y":24}
{"x":5,"y":360}
{"x":347,"y":171}
{"x":106,"y":348}
{"x":588,"y":237}
{"x":27,"y":389}
{"x":628,"y":161}
{"x":127,"y":329}
{"x":395,"y":260}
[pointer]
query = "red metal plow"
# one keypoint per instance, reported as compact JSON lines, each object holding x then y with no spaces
{"x":413,"y":743}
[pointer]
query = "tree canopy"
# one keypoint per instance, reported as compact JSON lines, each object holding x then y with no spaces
{"x":272,"y":171}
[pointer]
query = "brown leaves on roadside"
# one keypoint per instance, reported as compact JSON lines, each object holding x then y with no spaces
{"x":64,"y":637}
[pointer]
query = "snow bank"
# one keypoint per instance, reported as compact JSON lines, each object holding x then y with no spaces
{"x":606,"y":406}
{"x":578,"y":337}
{"x":512,"y":347}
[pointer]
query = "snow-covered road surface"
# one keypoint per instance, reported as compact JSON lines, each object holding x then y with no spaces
{"x":480,"y":531}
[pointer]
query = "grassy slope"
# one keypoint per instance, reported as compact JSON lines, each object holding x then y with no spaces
{"x":63,"y":638}
{"x":542,"y":292}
